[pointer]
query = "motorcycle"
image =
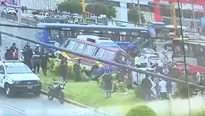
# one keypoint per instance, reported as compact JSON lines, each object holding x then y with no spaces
{"x":56,"y":90}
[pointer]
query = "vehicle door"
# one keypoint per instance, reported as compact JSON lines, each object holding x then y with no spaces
{"x":2,"y":76}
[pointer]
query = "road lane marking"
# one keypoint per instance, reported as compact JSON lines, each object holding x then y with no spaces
{"x":15,"y":109}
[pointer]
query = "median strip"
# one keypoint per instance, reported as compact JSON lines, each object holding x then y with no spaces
{"x":44,"y":92}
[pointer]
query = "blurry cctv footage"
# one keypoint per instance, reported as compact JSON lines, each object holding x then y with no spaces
{"x":66,"y":64}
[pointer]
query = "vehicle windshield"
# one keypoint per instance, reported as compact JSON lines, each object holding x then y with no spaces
{"x":17,"y":69}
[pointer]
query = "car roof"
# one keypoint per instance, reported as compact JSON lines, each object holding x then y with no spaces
{"x":12,"y":63}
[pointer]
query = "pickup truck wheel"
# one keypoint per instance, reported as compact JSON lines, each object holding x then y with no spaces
{"x":8,"y":91}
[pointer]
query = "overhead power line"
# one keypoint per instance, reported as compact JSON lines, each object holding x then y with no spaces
{"x":104,"y":61}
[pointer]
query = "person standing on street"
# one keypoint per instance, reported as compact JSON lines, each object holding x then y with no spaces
{"x":64,"y":69}
{"x":44,"y":61}
{"x":36,"y":59}
{"x":146,"y":87}
{"x":163,"y":89}
{"x":28,"y":53}
{"x":77,"y":71}
{"x":107,"y":79}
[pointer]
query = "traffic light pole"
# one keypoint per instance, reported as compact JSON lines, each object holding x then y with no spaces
{"x":138,"y":5}
{"x":83,"y":10}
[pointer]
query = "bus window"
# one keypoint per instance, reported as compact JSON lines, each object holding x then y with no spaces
{"x":72,"y":45}
{"x":80,"y":48}
{"x":89,"y":50}
{"x":100,"y":53}
{"x":108,"y":55}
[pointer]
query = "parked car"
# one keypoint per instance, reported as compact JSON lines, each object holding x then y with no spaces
{"x":16,"y":77}
{"x":149,"y":59}
{"x":180,"y":67}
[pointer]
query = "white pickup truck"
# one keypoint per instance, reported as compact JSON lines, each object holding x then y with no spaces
{"x":16,"y":77}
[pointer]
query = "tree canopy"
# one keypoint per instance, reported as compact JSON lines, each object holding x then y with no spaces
{"x":99,"y":8}
{"x":72,"y":6}
{"x":133,"y":16}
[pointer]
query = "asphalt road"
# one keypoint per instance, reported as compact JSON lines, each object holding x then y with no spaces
{"x":27,"y":105}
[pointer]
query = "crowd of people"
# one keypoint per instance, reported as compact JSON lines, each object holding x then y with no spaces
{"x":34,"y":58}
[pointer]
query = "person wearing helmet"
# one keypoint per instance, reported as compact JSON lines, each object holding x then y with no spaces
{"x":107,"y":79}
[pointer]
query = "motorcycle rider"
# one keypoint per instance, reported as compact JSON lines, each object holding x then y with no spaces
{"x":36,"y":59}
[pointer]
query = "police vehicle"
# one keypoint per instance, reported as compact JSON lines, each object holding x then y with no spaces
{"x":16,"y":77}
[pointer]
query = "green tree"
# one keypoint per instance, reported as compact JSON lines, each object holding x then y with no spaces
{"x":111,"y":12}
{"x":72,"y":6}
{"x":99,"y":8}
{"x":142,"y":110}
{"x":133,"y":15}
{"x":96,"y":8}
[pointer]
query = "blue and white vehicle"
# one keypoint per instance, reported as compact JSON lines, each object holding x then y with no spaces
{"x":17,"y":77}
{"x":54,"y":31}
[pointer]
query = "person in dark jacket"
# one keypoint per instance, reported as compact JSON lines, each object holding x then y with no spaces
{"x":107,"y":79}
{"x":13,"y":47}
{"x":64,"y":69}
{"x":44,"y":61}
{"x":146,"y":87}
{"x":36,"y":59}
{"x":77,"y":71}
{"x":28,"y":53}
{"x":8,"y":55}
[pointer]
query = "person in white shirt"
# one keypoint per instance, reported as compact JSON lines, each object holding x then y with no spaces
{"x":174,"y":87}
{"x":163,"y":89}
{"x":198,"y":77}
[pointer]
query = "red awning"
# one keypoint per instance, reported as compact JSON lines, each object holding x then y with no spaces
{"x":157,"y":12}
{"x":195,"y":2}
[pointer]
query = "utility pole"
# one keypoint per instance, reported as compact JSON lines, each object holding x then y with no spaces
{"x":174,"y":17}
{"x":83,"y":10}
{"x":19,"y":13}
{"x":194,"y":18}
{"x":204,"y":10}
{"x":138,"y":5}
{"x":182,"y":11}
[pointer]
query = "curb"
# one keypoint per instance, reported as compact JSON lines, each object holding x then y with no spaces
{"x":80,"y":105}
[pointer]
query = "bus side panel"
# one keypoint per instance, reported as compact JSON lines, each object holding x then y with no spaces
{"x":45,"y":36}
